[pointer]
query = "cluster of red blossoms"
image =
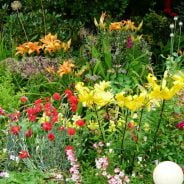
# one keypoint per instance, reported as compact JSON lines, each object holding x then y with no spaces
{"x":36,"y":111}
{"x":72,"y":99}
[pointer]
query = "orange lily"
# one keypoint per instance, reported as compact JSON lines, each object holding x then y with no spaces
{"x":51,"y":43}
{"x":28,"y":47}
{"x":115,"y":26}
{"x":65,"y":68}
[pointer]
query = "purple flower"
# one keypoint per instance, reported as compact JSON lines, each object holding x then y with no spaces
{"x":129,"y":42}
{"x":180,"y":125}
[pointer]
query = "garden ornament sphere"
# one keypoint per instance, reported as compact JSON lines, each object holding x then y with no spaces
{"x":168,"y":172}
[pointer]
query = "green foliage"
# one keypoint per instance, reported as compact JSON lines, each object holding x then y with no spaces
{"x":109,"y":58}
{"x":156,"y":32}
{"x":61,"y":17}
{"x":29,"y":177}
{"x":9,"y":98}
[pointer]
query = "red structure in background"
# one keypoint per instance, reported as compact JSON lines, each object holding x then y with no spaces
{"x":168,"y":9}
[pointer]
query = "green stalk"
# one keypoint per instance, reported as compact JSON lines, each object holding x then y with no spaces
{"x":43,"y":12}
{"x":99,"y":124}
{"x":179,"y":41}
{"x":137,"y":143}
{"x":123,"y":137}
{"x":159,"y":123}
{"x":22,"y":25}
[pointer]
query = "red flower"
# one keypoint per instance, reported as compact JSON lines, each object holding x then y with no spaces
{"x":23,"y":99}
{"x":38,"y":101}
{"x":32,"y":117}
{"x":15,"y":129}
{"x":47,"y":99}
{"x":47,"y":126}
{"x":73,"y":107}
{"x":23,"y":154}
{"x":14,"y":116}
{"x":37,"y":108}
{"x":69,"y":148}
{"x":80,"y":123}
{"x":71,"y":131}
{"x":180,"y":125}
{"x":55,"y":119}
{"x":73,"y":99}
{"x":68,"y":93}
{"x":51,"y":136}
{"x":29,"y":133}
{"x":131,"y":125}
{"x":56,"y":96}
{"x":61,"y":128}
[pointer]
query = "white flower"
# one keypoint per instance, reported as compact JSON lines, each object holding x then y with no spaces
{"x":12,"y":157}
{"x":16,"y":5}
{"x":145,"y":138}
{"x":110,"y":150}
{"x":108,"y":144}
{"x":180,"y":23}
{"x":140,"y":159}
{"x":176,"y":18}
{"x":172,"y":35}
{"x":171,"y":26}
{"x":4,"y":174}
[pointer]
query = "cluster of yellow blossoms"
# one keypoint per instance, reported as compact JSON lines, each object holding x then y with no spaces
{"x":49,"y":44}
{"x":146,"y":98}
{"x":155,"y":93}
{"x":98,"y":95}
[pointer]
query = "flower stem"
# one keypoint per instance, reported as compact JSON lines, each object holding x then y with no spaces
{"x":137,"y":143}
{"x":22,"y":25}
{"x":99,"y":124}
{"x":123,"y":137}
{"x":159,"y":123}
{"x":43,"y":12}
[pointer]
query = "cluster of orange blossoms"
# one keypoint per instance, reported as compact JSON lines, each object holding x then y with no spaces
{"x":49,"y":44}
{"x":63,"y":69}
{"x":125,"y":25}
{"x":122,"y":25}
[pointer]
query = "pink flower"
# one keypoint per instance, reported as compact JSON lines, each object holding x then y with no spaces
{"x":102,"y":163}
{"x":180,"y":125}
{"x":1,"y":111}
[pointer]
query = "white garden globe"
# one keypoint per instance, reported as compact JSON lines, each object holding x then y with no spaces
{"x":168,"y":172}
